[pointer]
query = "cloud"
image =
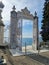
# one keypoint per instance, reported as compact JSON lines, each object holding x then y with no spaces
{"x":32,"y":5}
{"x":27,"y":22}
{"x":6,"y":11}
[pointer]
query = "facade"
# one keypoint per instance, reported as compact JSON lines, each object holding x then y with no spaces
{"x":13,"y":26}
{"x":35,"y":33}
{"x":16,"y":28}
{"x":1,"y":25}
{"x":1,"y":34}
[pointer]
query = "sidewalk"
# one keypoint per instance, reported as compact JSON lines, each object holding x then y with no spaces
{"x":29,"y":50}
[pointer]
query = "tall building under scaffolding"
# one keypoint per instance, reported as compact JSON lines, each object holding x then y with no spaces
{"x":15,"y":30}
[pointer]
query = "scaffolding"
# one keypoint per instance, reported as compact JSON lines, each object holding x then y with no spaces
{"x":16,"y":28}
{"x":19,"y":33}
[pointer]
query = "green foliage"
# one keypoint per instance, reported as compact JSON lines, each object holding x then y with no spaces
{"x":45,"y":22}
{"x":44,"y":43}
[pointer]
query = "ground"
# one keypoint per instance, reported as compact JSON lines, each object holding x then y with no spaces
{"x":33,"y":59}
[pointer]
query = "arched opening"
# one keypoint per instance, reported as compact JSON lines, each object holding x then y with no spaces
{"x":16,"y":26}
{"x":27,"y":32}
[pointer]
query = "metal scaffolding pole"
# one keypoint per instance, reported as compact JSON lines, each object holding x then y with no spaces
{"x":21,"y":34}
